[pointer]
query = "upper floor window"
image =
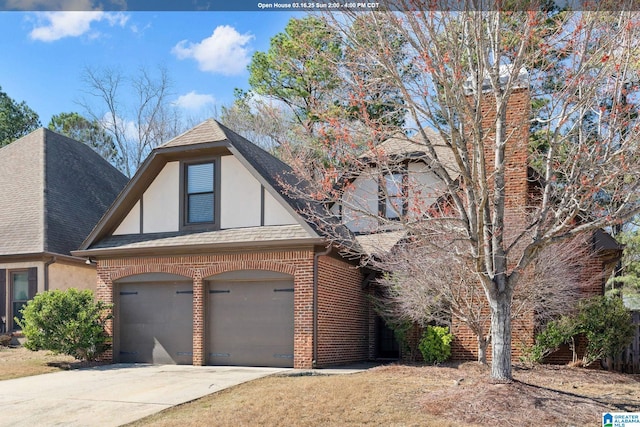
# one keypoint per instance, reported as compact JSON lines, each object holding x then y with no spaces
{"x":200,"y":193}
{"x":393,"y":200}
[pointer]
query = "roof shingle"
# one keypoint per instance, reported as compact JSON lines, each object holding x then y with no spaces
{"x":53,"y":190}
{"x":249,"y":235}
{"x":270,"y":170}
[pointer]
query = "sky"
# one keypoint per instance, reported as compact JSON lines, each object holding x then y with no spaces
{"x":43,"y":54}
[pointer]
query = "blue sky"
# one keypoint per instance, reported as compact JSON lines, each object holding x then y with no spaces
{"x":43,"y":54}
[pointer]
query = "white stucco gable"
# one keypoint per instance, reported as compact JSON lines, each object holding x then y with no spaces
{"x":243,"y":201}
{"x":363,"y":199}
{"x":197,"y":190}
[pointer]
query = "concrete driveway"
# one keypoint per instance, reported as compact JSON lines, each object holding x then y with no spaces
{"x":112,"y":395}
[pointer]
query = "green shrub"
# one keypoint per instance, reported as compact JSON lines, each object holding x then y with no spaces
{"x":555,"y":333}
{"x":604,"y":322}
{"x":435,"y":344}
{"x":68,"y":322}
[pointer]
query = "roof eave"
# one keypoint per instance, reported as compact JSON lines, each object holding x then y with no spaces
{"x":101,"y":228}
{"x":40,"y":256}
{"x":197,"y":248}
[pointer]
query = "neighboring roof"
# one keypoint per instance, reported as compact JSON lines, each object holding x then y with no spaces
{"x":53,"y":190}
{"x":276,"y":176}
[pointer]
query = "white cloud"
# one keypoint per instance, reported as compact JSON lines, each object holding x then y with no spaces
{"x":54,"y":26}
{"x":194,"y":101}
{"x":116,"y":19}
{"x":225,"y":51}
{"x":136,"y":29}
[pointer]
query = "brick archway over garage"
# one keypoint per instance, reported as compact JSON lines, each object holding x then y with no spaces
{"x":179,"y":270}
{"x":248,"y":265}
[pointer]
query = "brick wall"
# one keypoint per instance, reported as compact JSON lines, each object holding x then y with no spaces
{"x":520,"y":194}
{"x":516,"y":149}
{"x":298,"y":263}
{"x":343,"y":314}
{"x":517,"y":199}
{"x":465,"y":344}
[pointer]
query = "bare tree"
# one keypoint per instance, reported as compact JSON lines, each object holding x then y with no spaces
{"x":466,"y":68}
{"x":426,"y":284}
{"x":135,"y":111}
{"x":261,"y":121}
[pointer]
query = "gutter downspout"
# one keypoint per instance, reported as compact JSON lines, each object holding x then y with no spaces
{"x":316,"y":257}
{"x":46,"y":272}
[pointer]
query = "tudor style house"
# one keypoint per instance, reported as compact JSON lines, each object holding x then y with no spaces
{"x":53,"y":190}
{"x":209,"y":258}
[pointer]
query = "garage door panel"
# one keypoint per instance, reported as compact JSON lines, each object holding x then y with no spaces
{"x":250,"y":323}
{"x":155,"y":323}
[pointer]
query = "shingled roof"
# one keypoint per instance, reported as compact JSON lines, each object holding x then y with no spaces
{"x":275,"y":172}
{"x":207,"y":131}
{"x":53,"y":190}
{"x":275,"y":175}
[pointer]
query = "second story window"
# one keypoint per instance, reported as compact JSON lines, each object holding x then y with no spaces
{"x":392,"y":195}
{"x":200,"y":194}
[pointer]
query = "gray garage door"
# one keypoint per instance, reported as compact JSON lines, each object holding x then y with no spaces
{"x":155,"y":321}
{"x":250,"y":319}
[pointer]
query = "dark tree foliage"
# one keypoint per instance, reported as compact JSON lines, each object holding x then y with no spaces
{"x":16,"y":119}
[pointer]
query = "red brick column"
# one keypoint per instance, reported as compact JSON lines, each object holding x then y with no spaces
{"x":198,"y":320}
{"x":104,"y":293}
{"x":303,"y":315}
{"x":343,"y":316}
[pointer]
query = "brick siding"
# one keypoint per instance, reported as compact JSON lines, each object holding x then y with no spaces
{"x":343,"y":313}
{"x":298,"y":263}
{"x":520,"y":194}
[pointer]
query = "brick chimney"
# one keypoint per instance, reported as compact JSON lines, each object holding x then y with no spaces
{"x":516,"y":138}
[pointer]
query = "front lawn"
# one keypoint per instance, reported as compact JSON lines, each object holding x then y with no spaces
{"x":19,"y":362}
{"x":415,"y":396}
{"x":395,"y":395}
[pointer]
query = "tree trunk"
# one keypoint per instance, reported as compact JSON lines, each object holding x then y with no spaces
{"x":501,"y":336}
{"x":483,"y":343}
